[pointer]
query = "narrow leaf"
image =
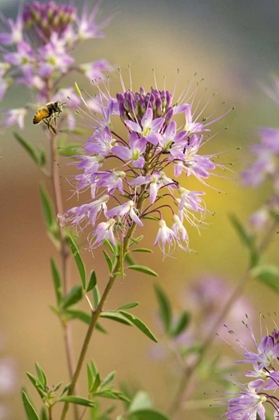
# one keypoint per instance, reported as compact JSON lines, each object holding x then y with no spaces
{"x":96,"y":296}
{"x":68,"y":149}
{"x":36,"y":384}
{"x":81,"y":315}
{"x":92,"y":281}
{"x":108,"y":260}
{"x":108,"y":379}
{"x":44,"y":415}
{"x":164,"y":307}
{"x":77,"y":400}
{"x":78,"y":260}
{"x":56,"y":282}
{"x":29,"y":408}
{"x":267,"y":274}
{"x":96,"y":383}
{"x":140,"y":325}
{"x":142,"y":250}
{"x":112,"y":248}
{"x":73,"y":297}
{"x":115,"y":316}
{"x":48,"y":211}
{"x":115,"y":395}
{"x":128,"y":306}
{"x":246,"y":239}
{"x":94,"y":368}
{"x":41,"y":375}
{"x":28,"y":148}
{"x":90,"y":378}
{"x":57,"y":386}
{"x":129,"y":259}
{"x":244,"y":236}
{"x":181,"y":324}
{"x":149,"y":414}
{"x":143,"y":269}
{"x":78,"y":90}
{"x":100,"y":328}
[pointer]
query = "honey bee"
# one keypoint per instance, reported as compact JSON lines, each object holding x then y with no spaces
{"x":48,"y":113}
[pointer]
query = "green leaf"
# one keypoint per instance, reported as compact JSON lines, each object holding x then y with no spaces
{"x":48,"y":211}
{"x":100,"y":328}
{"x":35,"y":381}
{"x":148,"y":414}
{"x":41,"y":375}
{"x":78,"y":260}
{"x":77,"y":400}
{"x":90,"y":378}
{"x":92,"y":281}
{"x":93,"y":367}
{"x":142,"y":250}
{"x":56,"y":282}
{"x":108,"y":260}
{"x":109,"y":378}
{"x":73,"y":297}
{"x":29,"y":408}
{"x":128,"y":306}
{"x":164,"y":308}
{"x":140,"y":401}
{"x":129,"y":259}
{"x":139,"y":324}
{"x":246,"y":239}
{"x":267,"y":274}
{"x":96,"y":296}
{"x":96,"y":383}
{"x":181,"y":324}
{"x":57,"y":386}
{"x":136,"y":240}
{"x":68,"y":149}
{"x":143,"y":269}
{"x":115,"y":316}
{"x":81,"y":315}
{"x":44,"y":415}
{"x":115,"y":395}
{"x":28,"y":148}
{"x":112,"y":248}
{"x":153,"y":218}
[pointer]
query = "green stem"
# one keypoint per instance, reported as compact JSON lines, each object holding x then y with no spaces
{"x":95,"y":315}
{"x":64,"y":256}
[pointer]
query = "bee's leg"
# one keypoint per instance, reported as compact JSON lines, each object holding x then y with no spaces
{"x":49,"y":126}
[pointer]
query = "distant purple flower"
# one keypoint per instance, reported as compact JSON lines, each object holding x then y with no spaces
{"x":15,"y":116}
{"x":265,"y":168}
{"x":134,"y":170}
{"x":37,"y":50}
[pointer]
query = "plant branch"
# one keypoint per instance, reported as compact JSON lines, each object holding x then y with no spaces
{"x":95,"y":314}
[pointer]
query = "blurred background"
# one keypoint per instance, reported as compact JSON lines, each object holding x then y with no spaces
{"x":233,"y":45}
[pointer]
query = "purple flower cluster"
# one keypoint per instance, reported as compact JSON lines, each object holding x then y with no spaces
{"x":250,"y":402}
{"x":265,"y":168}
{"x":37,"y":52}
{"x":134,"y":177}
